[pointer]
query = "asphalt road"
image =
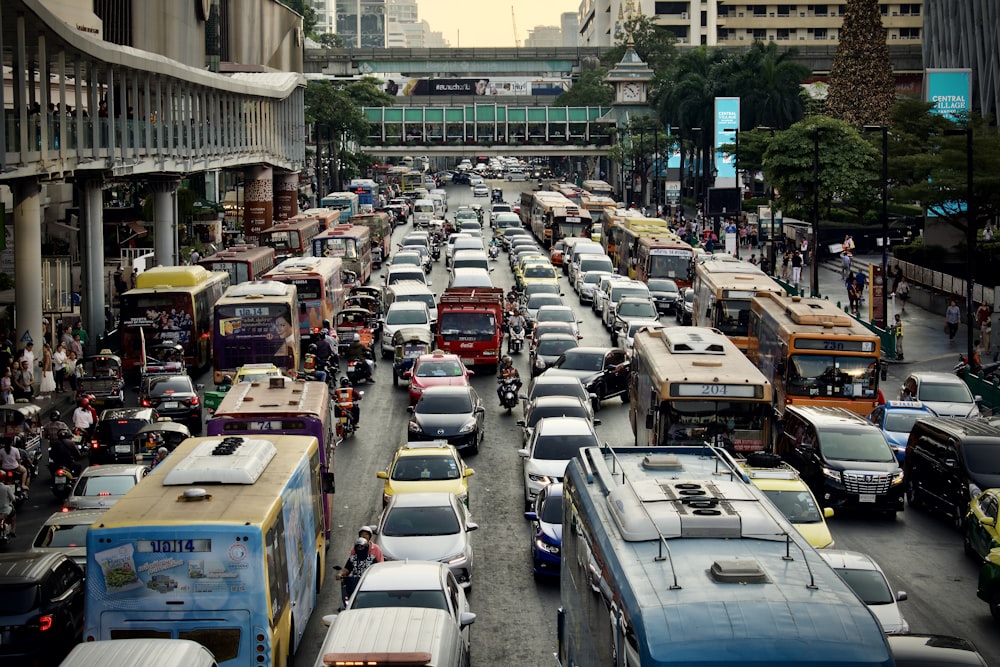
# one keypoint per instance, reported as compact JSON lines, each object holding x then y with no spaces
{"x":516,"y":621}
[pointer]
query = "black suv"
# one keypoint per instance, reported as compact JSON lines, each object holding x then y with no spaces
{"x":41,"y":607}
{"x":115,"y":432}
{"x":844,"y":458}
{"x":173,"y":396}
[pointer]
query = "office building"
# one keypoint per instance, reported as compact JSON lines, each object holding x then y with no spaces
{"x":362,"y":23}
{"x":544,"y":36}
{"x":966,"y":34}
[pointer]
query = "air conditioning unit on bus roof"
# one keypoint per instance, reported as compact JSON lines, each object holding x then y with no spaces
{"x":685,"y":340}
{"x":229,"y":460}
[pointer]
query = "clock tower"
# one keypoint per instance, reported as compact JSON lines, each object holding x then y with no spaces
{"x":630,"y":77}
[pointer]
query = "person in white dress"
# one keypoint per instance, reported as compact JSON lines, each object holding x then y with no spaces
{"x":48,"y":385}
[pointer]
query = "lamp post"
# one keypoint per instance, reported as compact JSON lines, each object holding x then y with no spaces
{"x":971,"y":213}
{"x":814,"y":265}
{"x":641,"y":148}
{"x":656,"y":167}
{"x":885,"y":218}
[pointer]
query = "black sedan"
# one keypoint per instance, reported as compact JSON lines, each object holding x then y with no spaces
{"x":454,"y":414}
{"x":604,"y":371}
{"x":664,"y":292}
{"x":553,"y":406}
{"x":547,"y":350}
{"x":173,"y":396}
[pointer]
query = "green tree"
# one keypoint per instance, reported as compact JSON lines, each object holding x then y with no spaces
{"x":590,"y":89}
{"x":308,"y":13}
{"x":336,"y":119}
{"x":653,"y":43}
{"x":330,"y":40}
{"x":767,"y":81}
{"x":641,"y":138}
{"x":368,"y":92}
{"x":862,"y":88}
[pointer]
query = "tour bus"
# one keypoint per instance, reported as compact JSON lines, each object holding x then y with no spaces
{"x":351,"y":244}
{"x":568,"y":190}
{"x":616,"y":222}
{"x":664,"y":257}
{"x":690,"y":385}
{"x":599,"y":188}
{"x":319,"y":284}
{"x":723,"y":289}
{"x":814,"y":353}
{"x":671,"y":557}
{"x":255,"y":323}
{"x":345,"y":202}
{"x":222,"y":543}
{"x":291,"y":237}
{"x":282,"y":406}
{"x":379,"y":229}
{"x":367,"y":191}
{"x":171,"y":303}
{"x":243,"y":263}
{"x":599,"y":207}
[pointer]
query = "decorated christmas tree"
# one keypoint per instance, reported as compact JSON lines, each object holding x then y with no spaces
{"x":862,"y":88}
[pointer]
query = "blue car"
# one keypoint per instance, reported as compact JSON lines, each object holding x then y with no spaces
{"x":546,"y":542}
{"x":896,"y":419}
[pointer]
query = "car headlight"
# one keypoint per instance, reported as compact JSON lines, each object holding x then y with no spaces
{"x":897,"y":478}
{"x":385,"y":498}
{"x":414,"y":427}
{"x":832,"y":474}
{"x":468,"y":427}
{"x":455,"y":559}
{"x":539,"y":362}
{"x":545,"y":546}
{"x":541,"y":479}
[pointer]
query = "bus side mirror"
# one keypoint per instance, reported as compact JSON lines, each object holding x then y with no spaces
{"x":649,"y":422}
{"x":328,"y":483}
{"x":884,"y":371}
{"x":302,"y":308}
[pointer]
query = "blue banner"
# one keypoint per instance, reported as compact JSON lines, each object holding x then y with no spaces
{"x":950,"y":90}
{"x":727,"y":123}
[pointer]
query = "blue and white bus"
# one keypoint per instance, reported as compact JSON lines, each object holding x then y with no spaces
{"x":345,"y":202}
{"x":367,"y":191}
{"x":222,"y":543}
{"x":672,"y":558}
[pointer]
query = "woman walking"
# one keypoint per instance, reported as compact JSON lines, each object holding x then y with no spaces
{"x":59,"y":366}
{"x":71,"y":364}
{"x":952,"y":317}
{"x":48,"y":384}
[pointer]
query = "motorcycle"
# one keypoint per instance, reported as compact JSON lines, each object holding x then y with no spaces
{"x":347,"y":586}
{"x":358,"y":371}
{"x":62,"y":483}
{"x":988,"y":371}
{"x":5,"y":531}
{"x":346,"y":426}
{"x":494,"y":251}
{"x":436,"y":252}
{"x":515,"y":341}
{"x":13,"y":478}
{"x":508,"y":393}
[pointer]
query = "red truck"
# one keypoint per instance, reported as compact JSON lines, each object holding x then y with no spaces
{"x":469,"y":322}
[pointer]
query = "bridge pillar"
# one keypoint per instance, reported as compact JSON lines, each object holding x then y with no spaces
{"x":93,"y":266}
{"x":258,"y":191}
{"x":286,"y":196}
{"x":27,"y":264}
{"x":164,"y":224}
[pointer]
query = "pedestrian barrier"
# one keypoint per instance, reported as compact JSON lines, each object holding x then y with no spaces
{"x":989,"y":390}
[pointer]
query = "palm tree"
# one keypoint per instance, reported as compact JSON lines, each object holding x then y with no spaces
{"x":768,"y":83}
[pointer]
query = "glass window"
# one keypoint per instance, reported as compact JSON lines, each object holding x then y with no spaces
{"x":104,"y":485}
{"x":561,"y":447}
{"x":443,"y":404}
{"x":797,"y":506}
{"x":945,"y":393}
{"x":854,"y":444}
{"x":829,"y":375}
{"x":431,"y":468}
{"x":902,"y":422}
{"x":421,"y":522}
{"x":18,"y":598}
{"x":69,"y":535}
{"x":869,"y":585}
{"x":421,"y":599}
{"x":552,"y":509}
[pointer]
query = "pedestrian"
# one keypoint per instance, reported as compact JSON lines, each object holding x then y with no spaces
{"x":903,"y":292}
{"x":76,"y":346}
{"x":24,"y":380}
{"x":848,"y":244}
{"x":897,"y":332}
{"x":48,"y":383}
{"x":785,"y":259}
{"x":796,"y":268}
{"x":6,"y":387}
{"x":59,"y":367}
{"x":28,"y":354}
{"x":853,"y":296}
{"x":861,"y":278}
{"x":952,"y":318}
{"x":897,"y":276}
{"x":194,"y":257}
{"x":71,"y":369}
{"x":78,"y":330}
{"x":135,"y":272}
{"x":984,"y":320}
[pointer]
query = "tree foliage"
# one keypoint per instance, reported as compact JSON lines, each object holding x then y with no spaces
{"x":767,"y":81}
{"x":590,"y":89}
{"x":308,"y":13}
{"x":862,"y":88}
{"x":641,"y":140}
{"x":653,"y":43}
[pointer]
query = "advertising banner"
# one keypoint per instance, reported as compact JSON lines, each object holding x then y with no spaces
{"x":727,"y":121}
{"x":950,"y":90}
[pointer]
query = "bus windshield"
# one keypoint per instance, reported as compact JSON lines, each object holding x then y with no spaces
{"x":283,"y":240}
{"x":308,"y":288}
{"x":732,"y":317}
{"x":698,"y":422}
{"x":830,"y":376}
{"x":669,"y":266}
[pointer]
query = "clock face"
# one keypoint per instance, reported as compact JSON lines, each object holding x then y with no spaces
{"x":631,"y":92}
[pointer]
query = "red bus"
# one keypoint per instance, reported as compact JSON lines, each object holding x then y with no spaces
{"x":243,"y":263}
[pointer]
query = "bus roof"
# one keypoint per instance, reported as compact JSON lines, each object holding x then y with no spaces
{"x":172,"y":276}
{"x":699,"y":583}
{"x":270,"y":460}
{"x":280,"y":395}
{"x":303,"y":265}
{"x":258,"y":288}
{"x":238,"y":252}
{"x":696,"y":356}
{"x":304,"y":222}
{"x":808,"y":315}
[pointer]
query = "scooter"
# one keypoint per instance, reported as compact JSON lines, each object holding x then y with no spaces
{"x":987,"y":370}
{"x":358,"y":371}
{"x":508,"y":393}
{"x":13,"y":478}
{"x":62,"y":483}
{"x":6,"y":532}
{"x":346,"y":426}
{"x":436,"y":252}
{"x":515,"y":341}
{"x":494,"y":251}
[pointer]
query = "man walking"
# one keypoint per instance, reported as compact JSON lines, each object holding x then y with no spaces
{"x":796,"y":268}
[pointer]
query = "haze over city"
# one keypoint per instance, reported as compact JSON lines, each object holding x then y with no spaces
{"x":475,"y":24}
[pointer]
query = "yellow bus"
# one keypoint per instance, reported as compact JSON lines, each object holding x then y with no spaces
{"x":723,"y":289}
{"x":599,"y":188}
{"x":616,"y":222}
{"x":814,"y":353}
{"x":627,"y":246}
{"x":599,"y":208}
{"x":541,"y":210}
{"x":663,"y":256}
{"x":292,"y":237}
{"x":222,"y":543}
{"x":691,"y":386}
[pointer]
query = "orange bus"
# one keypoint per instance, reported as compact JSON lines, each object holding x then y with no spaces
{"x":290,"y":238}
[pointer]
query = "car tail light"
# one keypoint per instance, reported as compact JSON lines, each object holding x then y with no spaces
{"x":146,"y":403}
{"x":45,"y":622}
{"x":193,"y":401}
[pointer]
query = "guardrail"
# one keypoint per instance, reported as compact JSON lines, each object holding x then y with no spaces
{"x":989,"y":390}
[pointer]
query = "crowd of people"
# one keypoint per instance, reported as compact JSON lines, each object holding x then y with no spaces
{"x":37,"y":371}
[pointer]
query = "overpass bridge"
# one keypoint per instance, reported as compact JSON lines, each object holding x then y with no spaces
{"x":82,"y":110}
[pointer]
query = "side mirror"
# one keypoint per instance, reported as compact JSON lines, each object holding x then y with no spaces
{"x":199,"y":387}
{"x":597,"y":421}
{"x":469,"y":527}
{"x":900,"y":596}
{"x":382,"y":474}
{"x":408,"y":374}
{"x":480,"y":410}
{"x":523,"y":453}
{"x":531,"y":516}
{"x":465,"y":619}
{"x":523,"y":397}
{"x":827,"y":512}
{"x":469,"y":472}
{"x":329,"y":485}
{"x":409,"y":408}
{"x":521,"y":422}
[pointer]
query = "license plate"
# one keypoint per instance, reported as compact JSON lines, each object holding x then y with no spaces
{"x":60,"y":481}
{"x":123,"y":449}
{"x":468,"y":361}
{"x":866,"y":497}
{"x":170,"y":404}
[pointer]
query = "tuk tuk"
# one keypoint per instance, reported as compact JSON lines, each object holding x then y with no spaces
{"x":352,"y":321}
{"x":408,"y":345}
{"x":370,"y":303}
{"x":373,"y":292}
{"x":166,"y":357}
{"x":24,"y":419}
{"x":100,"y":378}
{"x":349,"y":278}
{"x":151,"y":437}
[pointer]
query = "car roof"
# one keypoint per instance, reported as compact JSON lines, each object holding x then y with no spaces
{"x":554,"y":306}
{"x":408,"y":305}
{"x":841,"y":559}
{"x":422,"y":447}
{"x":424,"y":499}
{"x":28,"y":567}
{"x":945,"y":378}
{"x":76,"y":517}
{"x":408,"y":575}
{"x":913,"y":649}
{"x":592,"y":349}
{"x":564,"y":426}
{"x":127,"y":413}
{"x":112,"y":469}
{"x":556,"y":402}
{"x":448,"y":389}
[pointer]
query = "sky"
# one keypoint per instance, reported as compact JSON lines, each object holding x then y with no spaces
{"x":474,"y":23}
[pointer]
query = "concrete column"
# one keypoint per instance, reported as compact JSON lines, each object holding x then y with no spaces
{"x":28,"y":264}
{"x":164,"y":225}
{"x":258,"y":191}
{"x":286,"y":196}
{"x":93,"y":268}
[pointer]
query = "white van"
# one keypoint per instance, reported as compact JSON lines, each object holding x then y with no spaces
{"x":147,"y":652}
{"x":430,"y":633}
{"x":423,"y":212}
{"x":440,"y":208}
{"x":412,"y":291}
{"x":444,"y":197}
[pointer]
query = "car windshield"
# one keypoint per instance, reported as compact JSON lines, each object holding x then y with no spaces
{"x":104,"y":485}
{"x":797,"y":506}
{"x":18,"y":599}
{"x":443,"y":404}
{"x":70,"y":535}
{"x":869,"y":585}
{"x":944,"y":392}
{"x":169,"y":385}
{"x":438,"y":369}
{"x":661,"y":285}
{"x":536,"y":301}
{"x":420,"y":599}
{"x":407,"y":259}
{"x":689,"y":296}
{"x":552,"y":509}
{"x":561,"y":447}
{"x":543,"y":288}
{"x":423,"y":468}
{"x":559,"y":389}
{"x":554,"y":348}
{"x":556,"y":315}
{"x":618,"y":293}
{"x":581,"y":361}
{"x":637,"y":309}
{"x":420,"y":522}
{"x":592,"y":277}
{"x":398,"y":316}
{"x":119,"y":430}
{"x":902,"y":422}
{"x":539,"y":271}
{"x":855,"y":445}
{"x":982,"y":459}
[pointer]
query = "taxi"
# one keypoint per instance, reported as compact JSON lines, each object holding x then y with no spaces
{"x":895,"y":419}
{"x":430,"y":465}
{"x":980,"y":526}
{"x":527,"y":261}
{"x":256,"y":373}
{"x":556,"y":252}
{"x":782,"y":485}
{"x":538,"y":274}
{"x":434,"y":370}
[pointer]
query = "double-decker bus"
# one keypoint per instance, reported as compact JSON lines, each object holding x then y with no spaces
{"x":367,"y":191}
{"x":282,"y":406}
{"x":598,"y":187}
{"x":690,"y":385}
{"x":351,"y":244}
{"x":664,"y":257}
{"x":291,"y":237}
{"x":627,"y":246}
{"x":319,"y":284}
{"x":616,"y":222}
{"x":254,"y":323}
{"x":171,"y":303}
{"x":345,"y":202}
{"x":672,"y":558}
{"x":814,"y":353}
{"x":222,"y":543}
{"x":379,"y":229}
{"x":243,"y":263}
{"x":723,"y":289}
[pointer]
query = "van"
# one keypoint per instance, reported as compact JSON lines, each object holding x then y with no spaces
{"x":470,"y":259}
{"x":844,"y":458}
{"x":423,"y":212}
{"x":580,"y":250}
{"x":355,"y":634}
{"x":444,"y":197}
{"x":439,"y":207}
{"x":146,"y":652}
{"x":412,"y":291}
{"x":950,"y":461}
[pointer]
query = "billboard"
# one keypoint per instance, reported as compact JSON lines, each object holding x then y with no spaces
{"x":481,"y":86}
{"x":950,"y":90}
{"x":727,"y":123}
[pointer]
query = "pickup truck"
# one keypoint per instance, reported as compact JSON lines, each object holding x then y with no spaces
{"x":469,"y":324}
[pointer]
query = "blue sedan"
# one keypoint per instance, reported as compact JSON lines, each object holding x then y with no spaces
{"x":896,"y":419}
{"x":546,"y":544}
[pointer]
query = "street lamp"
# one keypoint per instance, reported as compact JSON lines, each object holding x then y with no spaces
{"x":971,"y":213}
{"x":814,"y":265}
{"x":885,"y":218}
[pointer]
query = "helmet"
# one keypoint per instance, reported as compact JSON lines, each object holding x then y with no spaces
{"x":324,"y":331}
{"x":344,"y":382}
{"x":227,"y":379}
{"x":162,"y":451}
{"x":311,"y":348}
{"x":365,"y":529}
{"x":64,"y":434}
{"x":361,"y":544}
{"x":507,"y":360}
{"x":84,"y":402}
{"x":357,"y":338}
{"x":55,"y":415}
{"x":326,"y":324}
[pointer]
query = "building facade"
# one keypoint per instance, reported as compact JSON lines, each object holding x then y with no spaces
{"x":966,"y":34}
{"x":362,"y":23}
{"x":544,"y":36}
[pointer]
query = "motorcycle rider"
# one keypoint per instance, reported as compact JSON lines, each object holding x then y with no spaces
{"x":83,"y":419}
{"x":63,"y":453}
{"x":505,"y":373}
{"x":360,"y":559}
{"x":376,"y":550}
{"x":312,"y":365}
{"x":55,"y":425}
{"x":348,"y":398}
{"x":358,"y":351}
{"x":10,"y":460}
{"x":7,"y":499}
{"x":516,"y":319}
